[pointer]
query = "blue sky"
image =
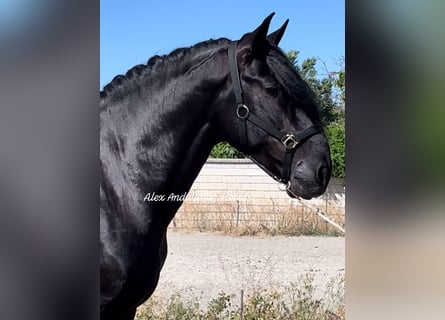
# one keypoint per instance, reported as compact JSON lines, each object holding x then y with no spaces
{"x":133,"y":31}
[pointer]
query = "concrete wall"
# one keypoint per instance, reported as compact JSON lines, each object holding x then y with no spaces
{"x":231,"y":180}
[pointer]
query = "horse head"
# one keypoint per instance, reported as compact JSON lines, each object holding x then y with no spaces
{"x":274,"y":114}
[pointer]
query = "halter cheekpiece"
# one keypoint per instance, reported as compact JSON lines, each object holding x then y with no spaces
{"x":288,"y":139}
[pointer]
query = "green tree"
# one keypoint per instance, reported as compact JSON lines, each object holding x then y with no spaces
{"x":225,"y":150}
{"x":335,"y":132}
{"x":330,"y":94}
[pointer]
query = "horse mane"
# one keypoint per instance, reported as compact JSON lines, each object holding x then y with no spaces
{"x":289,"y":78}
{"x":281,"y":67}
{"x":157,"y":63}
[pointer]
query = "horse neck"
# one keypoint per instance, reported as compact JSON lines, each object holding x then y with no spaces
{"x":162,"y":145}
{"x":187,"y":134}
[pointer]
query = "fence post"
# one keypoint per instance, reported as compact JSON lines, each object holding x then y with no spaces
{"x":241,"y":313}
{"x":237,"y":213}
{"x":326,"y":211}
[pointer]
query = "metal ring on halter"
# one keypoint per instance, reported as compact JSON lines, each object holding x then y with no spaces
{"x":289,"y":141}
{"x":283,"y":186}
{"x":242,"y":111}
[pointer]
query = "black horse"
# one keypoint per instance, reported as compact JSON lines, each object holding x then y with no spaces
{"x":159,"y":123}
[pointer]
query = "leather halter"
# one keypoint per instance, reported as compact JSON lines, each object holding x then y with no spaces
{"x":289,"y":139}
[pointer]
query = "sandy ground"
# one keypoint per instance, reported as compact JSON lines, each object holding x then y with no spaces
{"x":201,"y":265}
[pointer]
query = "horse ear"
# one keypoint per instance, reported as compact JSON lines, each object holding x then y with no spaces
{"x":276,"y":36}
{"x":255,"y":42}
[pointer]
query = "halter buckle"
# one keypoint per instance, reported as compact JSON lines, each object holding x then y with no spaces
{"x":242,"y":111}
{"x":289,"y":141}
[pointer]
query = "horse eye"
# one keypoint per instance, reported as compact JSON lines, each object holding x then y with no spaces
{"x":272,"y":91}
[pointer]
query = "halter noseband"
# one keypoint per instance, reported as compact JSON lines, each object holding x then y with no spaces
{"x":288,"y":139}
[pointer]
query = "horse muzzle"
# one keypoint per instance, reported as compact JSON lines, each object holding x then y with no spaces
{"x":309,"y":179}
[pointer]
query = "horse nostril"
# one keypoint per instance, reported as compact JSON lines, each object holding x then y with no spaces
{"x":322,"y":175}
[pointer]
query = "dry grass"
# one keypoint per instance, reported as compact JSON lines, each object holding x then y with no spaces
{"x":246,"y":218}
{"x":295,"y":302}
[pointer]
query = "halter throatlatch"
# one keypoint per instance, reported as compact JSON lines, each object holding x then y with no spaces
{"x":290,"y":140}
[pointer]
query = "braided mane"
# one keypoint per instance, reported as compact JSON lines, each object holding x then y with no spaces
{"x":157,"y":63}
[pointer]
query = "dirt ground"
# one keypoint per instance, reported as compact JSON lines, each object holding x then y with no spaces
{"x":201,"y":265}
